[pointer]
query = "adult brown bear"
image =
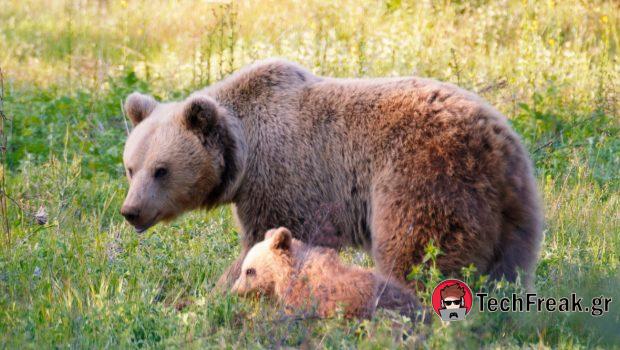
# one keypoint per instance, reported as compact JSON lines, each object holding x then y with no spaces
{"x":383,"y":164}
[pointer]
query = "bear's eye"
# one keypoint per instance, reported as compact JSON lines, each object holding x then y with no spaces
{"x":250,"y":272}
{"x":160,"y":172}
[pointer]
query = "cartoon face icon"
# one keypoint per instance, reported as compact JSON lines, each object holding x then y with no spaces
{"x":452,"y":300}
{"x":452,"y":296}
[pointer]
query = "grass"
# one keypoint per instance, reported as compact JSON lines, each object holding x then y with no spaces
{"x":73,"y":274}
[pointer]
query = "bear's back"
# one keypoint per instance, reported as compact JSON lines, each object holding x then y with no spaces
{"x":325,"y":285}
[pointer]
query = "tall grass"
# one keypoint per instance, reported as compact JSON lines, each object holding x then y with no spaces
{"x":6,"y":227}
{"x":73,"y":274}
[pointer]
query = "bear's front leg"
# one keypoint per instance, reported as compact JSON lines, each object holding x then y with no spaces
{"x":232,"y":273}
{"x":248,"y":239}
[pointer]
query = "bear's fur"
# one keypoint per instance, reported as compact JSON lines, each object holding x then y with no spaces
{"x":312,"y":280}
{"x":389,"y":165}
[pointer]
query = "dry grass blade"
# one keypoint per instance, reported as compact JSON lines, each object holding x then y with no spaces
{"x":3,"y":154}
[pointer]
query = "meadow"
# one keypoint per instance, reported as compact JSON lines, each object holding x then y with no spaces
{"x":73,"y":274}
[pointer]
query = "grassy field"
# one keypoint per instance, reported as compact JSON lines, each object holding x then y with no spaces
{"x":73,"y":274}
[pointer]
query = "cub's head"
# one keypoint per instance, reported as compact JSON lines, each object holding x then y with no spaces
{"x":180,"y":156}
{"x":265,"y":263}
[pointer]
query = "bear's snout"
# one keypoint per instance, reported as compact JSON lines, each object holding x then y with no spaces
{"x":140,"y":217}
{"x":131,"y":214}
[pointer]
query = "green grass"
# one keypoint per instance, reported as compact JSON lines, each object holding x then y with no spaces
{"x":84,"y":279}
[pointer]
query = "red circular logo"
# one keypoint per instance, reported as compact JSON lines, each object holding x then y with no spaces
{"x":452,"y":300}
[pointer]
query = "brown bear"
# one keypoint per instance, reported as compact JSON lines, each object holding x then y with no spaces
{"x":388,"y":165}
{"x":310,"y":280}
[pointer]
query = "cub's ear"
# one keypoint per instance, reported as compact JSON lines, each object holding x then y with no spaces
{"x":139,"y":106}
{"x":281,"y":238}
{"x":270,"y":233}
{"x":201,"y":115}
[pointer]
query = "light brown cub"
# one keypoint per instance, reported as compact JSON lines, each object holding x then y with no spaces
{"x":309,"y":279}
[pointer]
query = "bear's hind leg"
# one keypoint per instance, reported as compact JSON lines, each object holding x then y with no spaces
{"x":405,"y":220}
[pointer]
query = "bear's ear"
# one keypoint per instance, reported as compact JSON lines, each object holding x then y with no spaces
{"x":139,"y":106}
{"x":201,"y":115}
{"x":281,"y":238}
{"x":270,"y":233}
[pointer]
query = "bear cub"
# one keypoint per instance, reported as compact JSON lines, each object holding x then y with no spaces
{"x":312,"y":280}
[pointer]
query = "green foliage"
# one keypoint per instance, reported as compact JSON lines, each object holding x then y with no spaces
{"x":82,"y":278}
{"x":47,"y":122}
{"x":560,"y":138}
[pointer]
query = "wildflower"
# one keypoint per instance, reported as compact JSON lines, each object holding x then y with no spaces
{"x":41,"y":216}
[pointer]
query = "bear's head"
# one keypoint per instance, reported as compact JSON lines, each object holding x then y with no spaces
{"x":266,"y":263}
{"x":180,"y":156}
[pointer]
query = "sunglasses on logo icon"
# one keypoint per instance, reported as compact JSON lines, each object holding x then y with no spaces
{"x":452,"y":302}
